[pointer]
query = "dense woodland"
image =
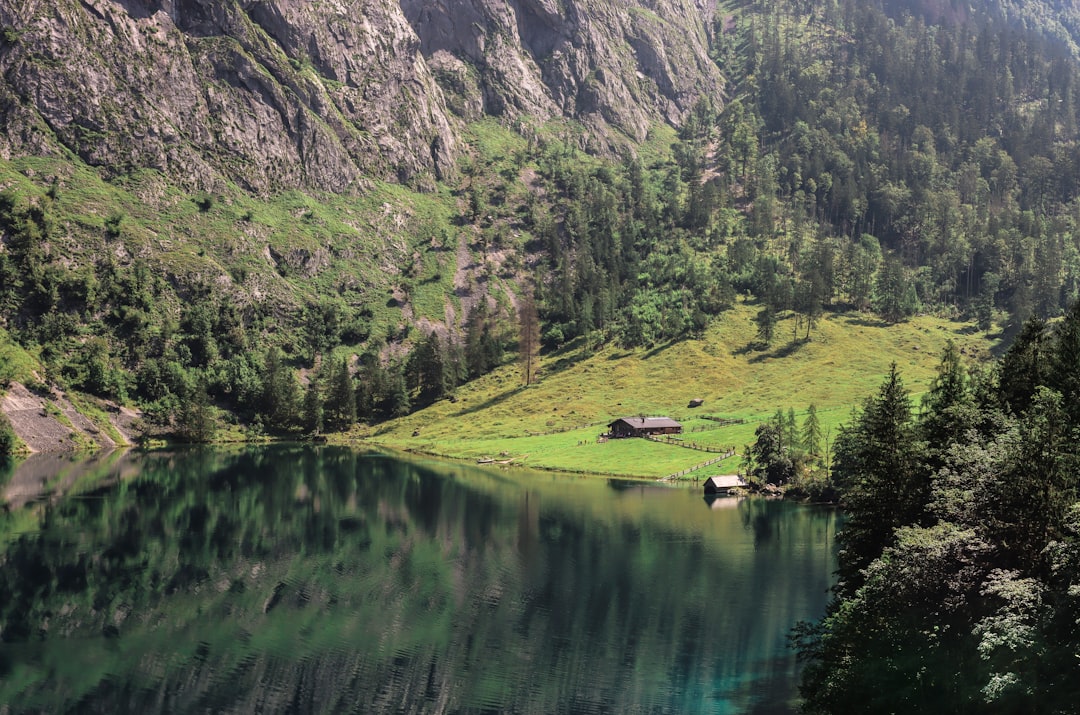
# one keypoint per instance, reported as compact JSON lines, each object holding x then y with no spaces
{"x":959,"y":565}
{"x":884,"y":157}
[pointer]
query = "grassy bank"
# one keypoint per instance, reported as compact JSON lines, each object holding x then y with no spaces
{"x":554,"y":424}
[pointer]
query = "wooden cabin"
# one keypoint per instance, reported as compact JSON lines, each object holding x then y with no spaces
{"x":723,"y":483}
{"x":643,"y":427}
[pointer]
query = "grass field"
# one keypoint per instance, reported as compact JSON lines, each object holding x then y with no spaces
{"x":554,"y":424}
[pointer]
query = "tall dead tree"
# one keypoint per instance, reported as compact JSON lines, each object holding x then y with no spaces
{"x":528,"y":337}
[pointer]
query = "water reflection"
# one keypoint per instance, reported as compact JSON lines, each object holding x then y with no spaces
{"x":315,"y":579}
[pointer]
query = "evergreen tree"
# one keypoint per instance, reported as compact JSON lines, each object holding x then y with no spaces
{"x":1023,"y":367}
{"x":771,"y":462}
{"x":396,"y":401}
{"x":811,"y":432}
{"x":427,"y":371}
{"x":482,"y":351}
{"x":766,"y":324}
{"x":312,"y":414}
{"x":876,"y":467}
{"x":340,"y":403}
{"x":280,"y":392}
{"x":948,"y":407}
{"x":196,"y":421}
{"x":890,"y":291}
{"x":1064,"y":368}
{"x":792,"y":442}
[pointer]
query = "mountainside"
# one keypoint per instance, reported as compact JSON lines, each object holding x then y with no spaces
{"x":615,"y":65}
{"x":252,"y":211}
{"x":289,"y":94}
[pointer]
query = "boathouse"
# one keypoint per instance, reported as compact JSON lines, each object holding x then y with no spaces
{"x":723,"y":483}
{"x":643,"y":427}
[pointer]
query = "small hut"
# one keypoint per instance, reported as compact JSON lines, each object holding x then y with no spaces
{"x":696,"y":402}
{"x":723,"y":483}
{"x":643,"y":427}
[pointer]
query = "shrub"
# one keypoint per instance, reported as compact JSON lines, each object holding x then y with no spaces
{"x":9,"y":442}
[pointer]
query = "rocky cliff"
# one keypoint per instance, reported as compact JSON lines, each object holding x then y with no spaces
{"x":612,"y":65}
{"x":273,"y":94}
{"x":266,"y":94}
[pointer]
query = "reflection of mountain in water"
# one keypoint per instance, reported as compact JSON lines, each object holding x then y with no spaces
{"x":301,"y":579}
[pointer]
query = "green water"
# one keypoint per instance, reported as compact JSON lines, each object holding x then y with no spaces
{"x":300,"y":579}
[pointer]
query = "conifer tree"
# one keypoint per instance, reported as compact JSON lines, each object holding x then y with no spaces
{"x":1023,"y":367}
{"x":340,"y":403}
{"x":876,"y":464}
{"x":766,"y":324}
{"x":280,"y":392}
{"x":948,"y":408}
{"x":312,"y":409}
{"x":1065,"y":361}
{"x":792,"y":442}
{"x":811,"y":432}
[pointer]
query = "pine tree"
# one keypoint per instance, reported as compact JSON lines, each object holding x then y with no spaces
{"x":1023,"y":367}
{"x":811,"y":432}
{"x":340,"y":403}
{"x":876,"y":466}
{"x":396,"y":401}
{"x":948,"y":407}
{"x":312,"y":409}
{"x":1064,"y":373}
{"x":280,"y":392}
{"x":791,"y":432}
{"x":766,"y":324}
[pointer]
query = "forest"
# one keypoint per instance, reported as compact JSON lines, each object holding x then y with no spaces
{"x":958,"y":569}
{"x":892,"y":158}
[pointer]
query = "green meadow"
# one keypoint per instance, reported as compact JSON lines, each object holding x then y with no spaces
{"x":555,"y":423}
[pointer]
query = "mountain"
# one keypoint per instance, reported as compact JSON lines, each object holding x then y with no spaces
{"x":205,"y":205}
{"x":289,"y":94}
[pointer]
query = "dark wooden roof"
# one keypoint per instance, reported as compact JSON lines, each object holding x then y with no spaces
{"x":647,"y":423}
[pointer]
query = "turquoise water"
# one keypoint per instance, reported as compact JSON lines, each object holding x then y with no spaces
{"x":302,"y":579}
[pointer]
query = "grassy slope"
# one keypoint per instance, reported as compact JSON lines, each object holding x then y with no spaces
{"x":843,"y":363}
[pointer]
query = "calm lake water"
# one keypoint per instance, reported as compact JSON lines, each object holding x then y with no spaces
{"x":301,"y":579}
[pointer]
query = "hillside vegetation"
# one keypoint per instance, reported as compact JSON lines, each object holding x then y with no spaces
{"x":554,"y":423}
{"x":863,"y":163}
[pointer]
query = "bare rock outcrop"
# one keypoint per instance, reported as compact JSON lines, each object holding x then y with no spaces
{"x":271,"y":94}
{"x":278,"y":94}
{"x":613,"y":65}
{"x":53,"y":424}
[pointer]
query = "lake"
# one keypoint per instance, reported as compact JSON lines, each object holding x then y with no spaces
{"x":319,"y":579}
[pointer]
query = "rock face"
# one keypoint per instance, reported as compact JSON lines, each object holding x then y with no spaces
{"x":609,"y":63}
{"x":274,"y":94}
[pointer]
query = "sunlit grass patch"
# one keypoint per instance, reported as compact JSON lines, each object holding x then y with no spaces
{"x":842,"y":363}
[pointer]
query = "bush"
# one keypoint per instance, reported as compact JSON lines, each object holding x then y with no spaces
{"x":9,"y":442}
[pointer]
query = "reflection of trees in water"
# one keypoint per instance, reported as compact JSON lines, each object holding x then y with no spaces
{"x":306,"y":579}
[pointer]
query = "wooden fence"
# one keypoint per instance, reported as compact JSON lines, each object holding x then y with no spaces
{"x":684,"y":472}
{"x":691,"y":445}
{"x":724,"y":421}
{"x":560,"y":430}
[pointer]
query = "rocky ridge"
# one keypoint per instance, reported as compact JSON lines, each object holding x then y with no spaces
{"x":278,"y":94}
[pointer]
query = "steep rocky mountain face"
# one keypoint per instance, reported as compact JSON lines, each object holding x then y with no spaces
{"x":274,"y":94}
{"x":612,"y":65}
{"x":266,"y":94}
